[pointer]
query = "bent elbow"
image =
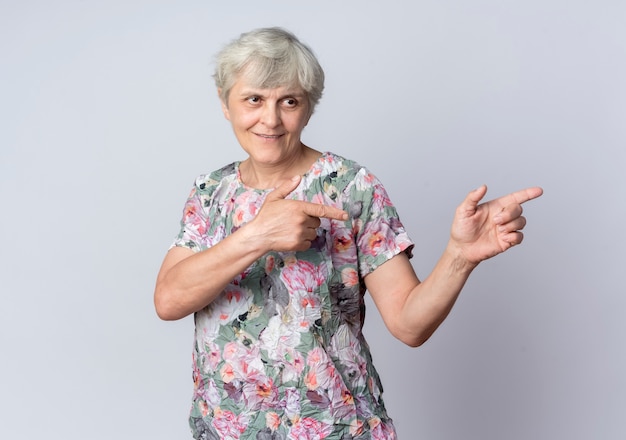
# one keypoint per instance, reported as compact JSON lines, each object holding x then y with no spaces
{"x":414,"y":342}
{"x":165,"y":313}
{"x":409,"y":340}
{"x":164,"y":308}
{"x":412,"y":339}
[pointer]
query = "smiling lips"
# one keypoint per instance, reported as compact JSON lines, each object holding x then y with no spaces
{"x":269,"y":136}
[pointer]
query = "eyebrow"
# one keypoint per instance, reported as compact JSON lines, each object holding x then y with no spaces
{"x":288,"y":93}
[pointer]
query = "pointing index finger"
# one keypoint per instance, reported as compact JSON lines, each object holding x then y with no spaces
{"x":527,"y":194}
{"x":324,"y":211}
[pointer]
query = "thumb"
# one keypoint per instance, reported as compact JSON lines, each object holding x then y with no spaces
{"x":284,"y":189}
{"x":473,"y":198}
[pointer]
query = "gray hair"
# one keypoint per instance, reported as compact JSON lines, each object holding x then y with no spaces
{"x":269,"y":57}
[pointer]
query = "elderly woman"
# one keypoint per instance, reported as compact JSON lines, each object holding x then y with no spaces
{"x":275,"y":254}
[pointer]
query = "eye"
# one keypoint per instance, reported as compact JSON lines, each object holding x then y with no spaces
{"x":253,"y":99}
{"x":290,"y":102}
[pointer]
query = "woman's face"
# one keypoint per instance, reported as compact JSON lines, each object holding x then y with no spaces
{"x":267,"y":122}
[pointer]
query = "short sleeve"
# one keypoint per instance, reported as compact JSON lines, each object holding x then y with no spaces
{"x":194,"y":222}
{"x":379,"y":233}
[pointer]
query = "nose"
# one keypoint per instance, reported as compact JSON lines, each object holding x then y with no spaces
{"x":270,"y":116}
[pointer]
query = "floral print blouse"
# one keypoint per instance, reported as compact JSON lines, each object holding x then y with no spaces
{"x":280,"y":353}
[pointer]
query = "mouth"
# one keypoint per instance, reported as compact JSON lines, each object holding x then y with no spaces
{"x":268,"y":136}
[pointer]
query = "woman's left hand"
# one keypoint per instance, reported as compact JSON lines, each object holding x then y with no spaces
{"x":481,"y":231}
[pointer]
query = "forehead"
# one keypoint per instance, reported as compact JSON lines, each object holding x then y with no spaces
{"x":245,"y":86}
{"x":265,"y":76}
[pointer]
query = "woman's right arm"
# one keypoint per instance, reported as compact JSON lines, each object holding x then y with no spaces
{"x":188,"y":281}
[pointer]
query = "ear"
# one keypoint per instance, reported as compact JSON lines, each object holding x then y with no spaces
{"x":308,"y":118}
{"x":224,"y":105}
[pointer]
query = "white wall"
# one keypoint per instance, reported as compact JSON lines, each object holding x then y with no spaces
{"x":108,"y":112}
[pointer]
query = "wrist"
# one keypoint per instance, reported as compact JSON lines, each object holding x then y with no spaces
{"x":458,"y":259}
{"x":255,"y":242}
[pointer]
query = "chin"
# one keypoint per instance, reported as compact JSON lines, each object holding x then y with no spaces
{"x":270,"y":154}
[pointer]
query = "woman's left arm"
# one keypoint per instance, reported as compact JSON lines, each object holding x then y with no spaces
{"x":412,"y":310}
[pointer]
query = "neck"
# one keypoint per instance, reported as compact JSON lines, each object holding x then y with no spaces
{"x":270,"y":175}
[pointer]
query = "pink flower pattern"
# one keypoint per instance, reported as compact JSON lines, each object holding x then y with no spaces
{"x":280,"y":353}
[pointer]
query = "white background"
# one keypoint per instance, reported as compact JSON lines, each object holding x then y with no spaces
{"x":108,"y":112}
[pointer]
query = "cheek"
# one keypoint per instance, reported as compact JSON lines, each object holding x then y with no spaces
{"x":243,"y":121}
{"x":296,"y":123}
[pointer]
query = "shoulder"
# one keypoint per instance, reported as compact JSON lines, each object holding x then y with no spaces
{"x":207,"y":183}
{"x":334,"y":163}
{"x":346,"y":173}
{"x":331,"y":165}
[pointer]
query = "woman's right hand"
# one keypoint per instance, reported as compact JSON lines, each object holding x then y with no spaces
{"x":188,"y":281}
{"x":289,"y":225}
